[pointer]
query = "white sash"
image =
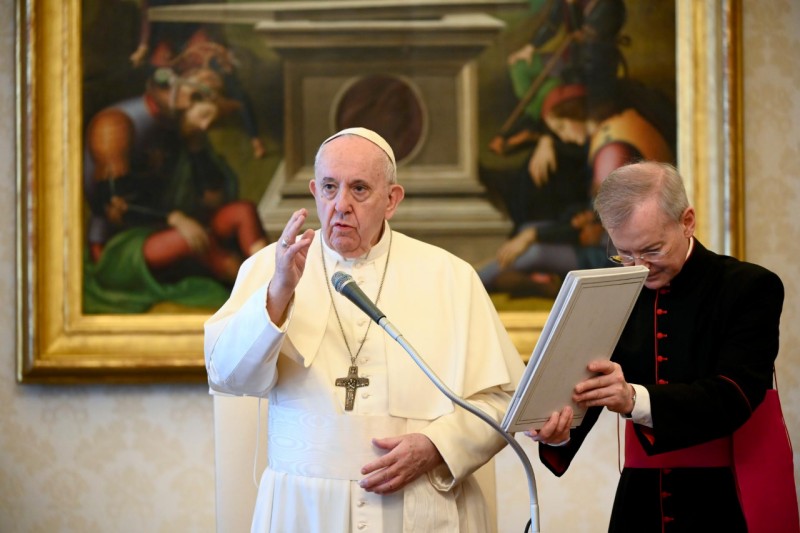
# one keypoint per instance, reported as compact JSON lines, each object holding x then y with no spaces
{"x":326,"y":446}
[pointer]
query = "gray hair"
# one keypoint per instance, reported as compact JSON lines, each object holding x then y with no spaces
{"x":391,"y":167}
{"x":630,"y":185}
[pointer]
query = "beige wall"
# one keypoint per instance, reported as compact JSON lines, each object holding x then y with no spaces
{"x":140,"y":458}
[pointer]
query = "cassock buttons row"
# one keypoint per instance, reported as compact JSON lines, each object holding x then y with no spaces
{"x":666,"y":519}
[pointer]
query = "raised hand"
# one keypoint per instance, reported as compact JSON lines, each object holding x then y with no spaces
{"x":290,"y":263}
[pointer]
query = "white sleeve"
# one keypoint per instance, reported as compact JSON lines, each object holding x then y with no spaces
{"x":242,"y":347}
{"x":464,"y":441}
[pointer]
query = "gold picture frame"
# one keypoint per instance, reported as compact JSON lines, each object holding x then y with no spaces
{"x":57,"y":343}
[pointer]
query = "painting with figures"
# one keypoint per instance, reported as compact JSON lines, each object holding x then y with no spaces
{"x":163,"y":142}
{"x":201,"y":121}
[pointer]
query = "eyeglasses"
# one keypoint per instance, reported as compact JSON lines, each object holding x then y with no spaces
{"x":621,"y":259}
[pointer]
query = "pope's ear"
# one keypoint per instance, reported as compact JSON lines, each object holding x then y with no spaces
{"x":396,"y":195}
{"x":312,"y":186}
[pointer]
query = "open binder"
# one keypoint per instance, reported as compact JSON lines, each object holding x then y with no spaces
{"x":586,"y":321}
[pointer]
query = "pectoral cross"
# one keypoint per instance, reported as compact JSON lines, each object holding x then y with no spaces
{"x":351,"y":383}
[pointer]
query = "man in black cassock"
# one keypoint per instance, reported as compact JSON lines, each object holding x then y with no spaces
{"x":693,"y":362}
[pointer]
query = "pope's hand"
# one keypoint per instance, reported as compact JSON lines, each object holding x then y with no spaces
{"x":409,"y":456}
{"x":290,"y":262}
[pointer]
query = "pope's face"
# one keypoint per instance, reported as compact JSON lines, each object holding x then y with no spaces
{"x":648,"y":229}
{"x":353,"y":195}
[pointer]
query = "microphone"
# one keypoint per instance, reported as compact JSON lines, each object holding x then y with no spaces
{"x":347,"y":286}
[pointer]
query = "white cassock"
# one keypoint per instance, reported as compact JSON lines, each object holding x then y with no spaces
{"x":316,"y":449}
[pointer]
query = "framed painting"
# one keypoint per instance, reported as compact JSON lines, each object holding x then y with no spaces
{"x":112,"y":287}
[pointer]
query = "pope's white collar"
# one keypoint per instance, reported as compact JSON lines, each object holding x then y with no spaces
{"x":379,"y":250}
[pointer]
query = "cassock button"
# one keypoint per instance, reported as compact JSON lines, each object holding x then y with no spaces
{"x":662,"y":381}
{"x":362,"y":525}
{"x":661,"y":311}
{"x":667,"y":519}
{"x":664,"y":291}
{"x":365,"y":395}
{"x":665,"y":494}
{"x":661,"y":358}
{"x":361,"y":503}
{"x":661,"y":335}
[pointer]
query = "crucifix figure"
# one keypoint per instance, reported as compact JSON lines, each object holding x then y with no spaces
{"x":351,"y":383}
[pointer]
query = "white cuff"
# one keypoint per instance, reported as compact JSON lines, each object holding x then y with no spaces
{"x":641,"y":411}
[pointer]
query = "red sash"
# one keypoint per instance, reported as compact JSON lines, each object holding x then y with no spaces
{"x":760,"y":454}
{"x":764,"y":467}
{"x":715,"y":453}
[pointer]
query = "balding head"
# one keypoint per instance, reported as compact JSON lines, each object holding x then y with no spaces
{"x":631,"y":185}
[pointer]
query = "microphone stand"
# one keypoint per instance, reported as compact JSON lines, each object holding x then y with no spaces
{"x":534,"y":503}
